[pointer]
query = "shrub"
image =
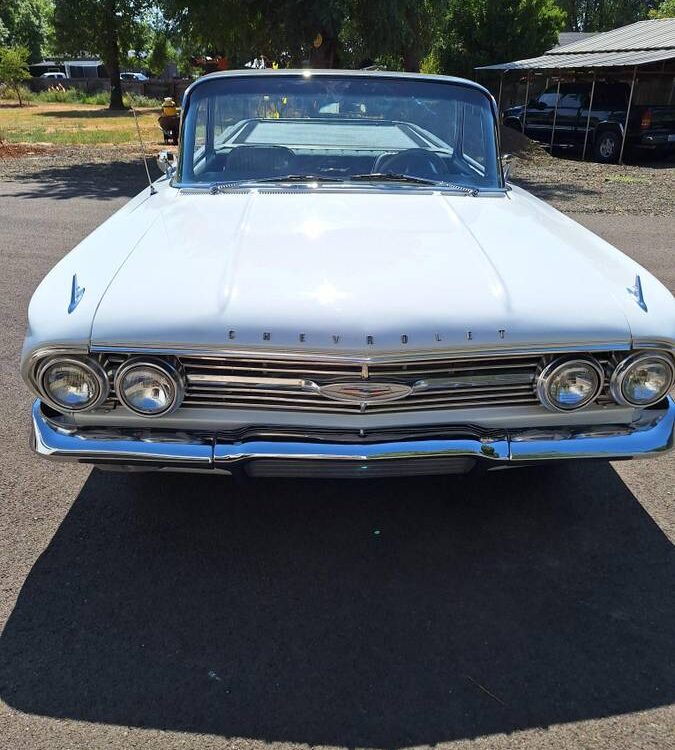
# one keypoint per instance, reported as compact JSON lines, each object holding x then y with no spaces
{"x":139,"y":100}
{"x":102,"y":98}
{"x":14,"y":68}
{"x":23,"y":93}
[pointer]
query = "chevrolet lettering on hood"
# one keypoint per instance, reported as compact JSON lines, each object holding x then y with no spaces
{"x":335,"y":279}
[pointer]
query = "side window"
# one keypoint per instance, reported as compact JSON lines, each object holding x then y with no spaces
{"x":474,"y":140}
{"x":571,"y":100}
{"x":548,"y":98}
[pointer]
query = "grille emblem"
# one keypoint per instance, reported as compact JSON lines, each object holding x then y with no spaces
{"x":365,"y":393}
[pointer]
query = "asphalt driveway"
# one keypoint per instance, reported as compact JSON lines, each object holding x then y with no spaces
{"x":517,"y":609}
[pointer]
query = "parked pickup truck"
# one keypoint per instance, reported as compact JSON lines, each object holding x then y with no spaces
{"x":649,"y":127}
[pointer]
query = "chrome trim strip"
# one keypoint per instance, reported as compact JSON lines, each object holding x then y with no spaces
{"x":651,"y":434}
{"x":226,"y":455}
{"x":278,"y":384}
{"x":668,"y":346}
{"x":462,"y":382}
{"x":356,"y":358}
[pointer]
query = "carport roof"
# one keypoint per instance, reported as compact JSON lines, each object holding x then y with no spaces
{"x":637,"y":44}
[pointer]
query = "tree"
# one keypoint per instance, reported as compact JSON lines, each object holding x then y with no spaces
{"x":101,"y":27}
{"x":27,"y":23}
{"x":402,"y":30}
{"x":14,"y":68}
{"x":604,"y":15}
{"x":296,"y":30}
{"x":665,"y":10}
{"x":480,"y":32}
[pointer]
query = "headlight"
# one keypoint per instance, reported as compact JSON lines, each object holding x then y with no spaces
{"x":73,"y":384}
{"x":568,"y":385}
{"x":149,"y":388}
{"x":642,"y":379}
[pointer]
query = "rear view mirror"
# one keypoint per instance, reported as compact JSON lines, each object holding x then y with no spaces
{"x":166,"y":162}
{"x":506,"y":165}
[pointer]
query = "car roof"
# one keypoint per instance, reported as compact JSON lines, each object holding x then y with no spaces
{"x":385,"y":74}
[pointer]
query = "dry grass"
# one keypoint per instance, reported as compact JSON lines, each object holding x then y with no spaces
{"x":76,"y":124}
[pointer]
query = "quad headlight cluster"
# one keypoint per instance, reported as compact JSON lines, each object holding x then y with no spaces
{"x":153,"y":387}
{"x":640,"y":380}
{"x":150,"y":387}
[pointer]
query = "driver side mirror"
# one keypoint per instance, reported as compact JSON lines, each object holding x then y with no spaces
{"x":166,"y":162}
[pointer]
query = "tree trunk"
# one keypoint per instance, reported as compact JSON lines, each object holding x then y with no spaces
{"x":18,"y":94}
{"x":324,"y":56}
{"x":411,"y":60}
{"x":111,"y":56}
{"x":411,"y":48}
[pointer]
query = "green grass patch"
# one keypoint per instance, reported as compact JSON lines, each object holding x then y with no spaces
{"x":76,"y":124}
{"x":70,"y":137}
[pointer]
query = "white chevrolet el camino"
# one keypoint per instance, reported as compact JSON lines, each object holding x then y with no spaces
{"x":337,"y":280}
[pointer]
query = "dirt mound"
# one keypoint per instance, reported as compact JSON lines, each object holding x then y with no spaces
{"x":517,"y":144}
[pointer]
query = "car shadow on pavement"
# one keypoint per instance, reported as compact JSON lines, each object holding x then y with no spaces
{"x":95,"y":180}
{"x":387,"y":613}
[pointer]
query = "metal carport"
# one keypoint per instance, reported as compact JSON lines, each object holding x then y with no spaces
{"x":645,"y":46}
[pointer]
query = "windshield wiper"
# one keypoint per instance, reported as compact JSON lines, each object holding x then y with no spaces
{"x":297,"y":178}
{"x":391,"y":177}
{"x":230,"y":184}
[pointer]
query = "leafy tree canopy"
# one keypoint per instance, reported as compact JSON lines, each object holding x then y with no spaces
{"x":665,"y":10}
{"x":604,"y":15}
{"x":14,"y":68}
{"x":480,"y":32}
{"x":27,"y":23}
{"x":107,"y":28}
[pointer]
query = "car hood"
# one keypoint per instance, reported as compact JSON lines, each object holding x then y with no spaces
{"x":342,"y":270}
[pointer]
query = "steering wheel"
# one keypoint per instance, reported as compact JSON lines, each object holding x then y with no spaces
{"x":415,"y":162}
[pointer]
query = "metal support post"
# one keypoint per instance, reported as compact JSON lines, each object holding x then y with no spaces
{"x":625,"y":126}
{"x":588,"y":119}
{"x":555,"y":113}
{"x":527,"y":99}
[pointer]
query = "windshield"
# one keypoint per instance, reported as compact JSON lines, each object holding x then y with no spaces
{"x":338,"y":129}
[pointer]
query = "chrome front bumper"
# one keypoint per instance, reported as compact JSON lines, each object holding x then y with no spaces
{"x":649,"y":435}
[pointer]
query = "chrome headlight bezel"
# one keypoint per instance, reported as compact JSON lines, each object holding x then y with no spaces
{"x":552,"y":368}
{"x":167,"y":369}
{"x":86,"y":363}
{"x":624,"y":367}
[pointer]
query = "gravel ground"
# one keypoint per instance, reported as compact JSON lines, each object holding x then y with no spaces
{"x":517,"y":610}
{"x":640,"y":188}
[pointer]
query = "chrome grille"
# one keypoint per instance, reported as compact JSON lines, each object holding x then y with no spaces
{"x":293,"y":384}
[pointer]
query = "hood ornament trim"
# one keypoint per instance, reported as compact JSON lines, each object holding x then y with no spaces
{"x":636,"y":291}
{"x":365,"y":392}
{"x":76,"y":294}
